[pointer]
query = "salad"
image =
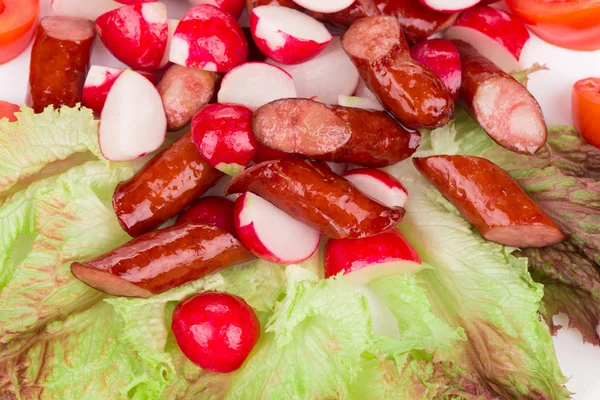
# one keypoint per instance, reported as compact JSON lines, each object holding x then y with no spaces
{"x":325,"y":204}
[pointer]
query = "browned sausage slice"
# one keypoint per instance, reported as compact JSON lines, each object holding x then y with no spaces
{"x":318,"y":197}
{"x":490,"y":199}
{"x":502,"y":106}
{"x":162,"y":260}
{"x":334,"y":133}
{"x":60,"y":60}
{"x":164,"y":187}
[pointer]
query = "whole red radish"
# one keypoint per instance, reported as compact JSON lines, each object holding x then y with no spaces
{"x":233,"y":7}
{"x":440,"y":56}
{"x":137,"y":34}
{"x":208,"y":38}
{"x":216,"y":331}
{"x":8,"y":110}
{"x":223,"y":135}
{"x":211,"y":210}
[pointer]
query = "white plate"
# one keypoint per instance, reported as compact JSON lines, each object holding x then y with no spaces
{"x":551,"y":88}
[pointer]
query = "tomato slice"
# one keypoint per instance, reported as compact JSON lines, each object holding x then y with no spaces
{"x":573,"y":24}
{"x":18,"y":20}
{"x":8,"y":110}
{"x":585,"y":102}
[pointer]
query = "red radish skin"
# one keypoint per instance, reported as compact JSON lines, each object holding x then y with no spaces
{"x":213,"y":211}
{"x":379,"y":186}
{"x":216,"y":331}
{"x":233,"y":7}
{"x":223,"y":135}
{"x":286,"y":35}
{"x":8,"y":110}
{"x":131,"y":2}
{"x":364,"y":260}
{"x":494,"y":33}
{"x":137,"y":35}
{"x":264,"y":153}
{"x":271,"y":234}
{"x":451,"y":6}
{"x":442,"y":57}
{"x":208,"y":38}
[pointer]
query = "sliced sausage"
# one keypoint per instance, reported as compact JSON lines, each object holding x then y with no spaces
{"x":313,"y":194}
{"x":490,"y":199}
{"x":334,"y":133}
{"x":164,"y":187}
{"x":500,"y":104}
{"x":184,"y":91}
{"x":162,"y":260}
{"x":406,"y":88}
{"x":60,"y":59}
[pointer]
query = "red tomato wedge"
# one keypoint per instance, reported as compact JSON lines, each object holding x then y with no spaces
{"x":586,"y":109}
{"x":18,"y":19}
{"x":572,"y":24}
{"x":8,"y":110}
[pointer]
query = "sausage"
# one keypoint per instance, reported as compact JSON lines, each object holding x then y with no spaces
{"x":490,"y":199}
{"x":502,"y":106}
{"x":406,"y":88}
{"x":184,"y":91}
{"x":60,"y":60}
{"x":346,"y":17}
{"x":164,"y":187}
{"x":162,"y":260}
{"x":313,"y":194}
{"x":334,"y":133}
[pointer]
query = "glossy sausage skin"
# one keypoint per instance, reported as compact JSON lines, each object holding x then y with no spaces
{"x":500,"y":104}
{"x":164,"y":187}
{"x":334,"y":133}
{"x":60,"y":60}
{"x":162,"y":260}
{"x":490,"y":199}
{"x":406,"y":88}
{"x":313,"y":194}
{"x":184,"y":91}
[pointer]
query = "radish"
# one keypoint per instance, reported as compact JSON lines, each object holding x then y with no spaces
{"x":133,"y":121}
{"x":255,"y":84}
{"x":208,"y":38}
{"x":131,"y":2}
{"x":172,"y":26}
{"x":213,"y":211}
{"x":137,"y":35}
{"x":233,"y":7}
{"x":90,"y":9}
{"x":286,"y":35}
{"x":324,"y":6}
{"x":223,"y":135}
{"x":359,"y":102}
{"x":338,"y":168}
{"x":440,"y":56}
{"x":494,"y":33}
{"x":271,"y":234}
{"x":264,"y":153}
{"x":327,"y":76}
{"x":449,"y":6}
{"x":364,"y":260}
{"x":363,"y":91}
{"x":378,"y":185}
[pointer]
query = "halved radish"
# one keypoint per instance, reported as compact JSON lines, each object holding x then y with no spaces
{"x":137,"y":35}
{"x":364,"y":260}
{"x":223,"y":135}
{"x":326,"y":76}
{"x":255,"y":84}
{"x":208,"y":38}
{"x":324,"y":6}
{"x":90,"y":9}
{"x":379,"y":186}
{"x":440,"y":56}
{"x":133,"y":121}
{"x":270,"y":233}
{"x":211,"y":210}
{"x":450,"y":6}
{"x":172,"y":25}
{"x":494,"y":33}
{"x":286,"y":35}
{"x":233,"y":7}
{"x":360,"y":102}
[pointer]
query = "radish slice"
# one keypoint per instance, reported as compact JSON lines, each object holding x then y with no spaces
{"x":326,"y":76}
{"x":271,"y":234}
{"x":338,"y":168}
{"x":359,"y":102}
{"x":255,"y":84}
{"x":172,"y":24}
{"x":494,"y":33}
{"x":450,"y":6}
{"x":133,"y":121}
{"x":324,"y":6}
{"x":90,"y":9}
{"x":378,"y":185}
{"x":286,"y":35}
{"x":97,"y":85}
